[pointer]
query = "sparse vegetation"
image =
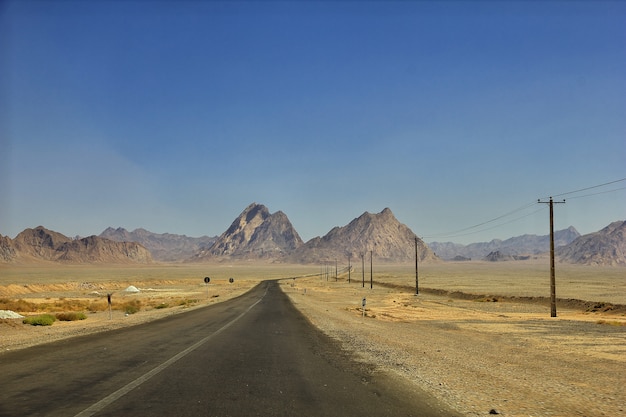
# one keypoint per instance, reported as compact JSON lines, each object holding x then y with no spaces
{"x":600,"y":307}
{"x":41,"y":320}
{"x":187,"y":302}
{"x":131,"y":307}
{"x":17,"y":305}
{"x":487,"y":300}
{"x":71,"y":316}
{"x":611,"y":322}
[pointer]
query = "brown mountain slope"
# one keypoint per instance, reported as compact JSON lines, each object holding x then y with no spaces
{"x":7,"y":250}
{"x":255,"y":234}
{"x":605,"y":247}
{"x":387,"y":238}
{"x":41,"y":244}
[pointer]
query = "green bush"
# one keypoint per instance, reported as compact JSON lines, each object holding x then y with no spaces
{"x":71,"y":316}
{"x":41,"y":320}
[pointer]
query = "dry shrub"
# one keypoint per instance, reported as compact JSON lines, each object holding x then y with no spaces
{"x":95,"y":306}
{"x":131,"y":307}
{"x":17,"y":305}
{"x":71,"y":316}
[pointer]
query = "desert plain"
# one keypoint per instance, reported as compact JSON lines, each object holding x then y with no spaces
{"x":478,"y":335}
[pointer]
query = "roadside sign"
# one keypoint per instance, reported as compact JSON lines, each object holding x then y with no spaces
{"x":231,"y":280}
{"x":207,"y":280}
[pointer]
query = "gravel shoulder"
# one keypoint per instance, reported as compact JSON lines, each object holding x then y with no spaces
{"x":478,"y":357}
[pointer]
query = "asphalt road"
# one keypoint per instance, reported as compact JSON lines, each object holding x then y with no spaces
{"x":255,"y":355}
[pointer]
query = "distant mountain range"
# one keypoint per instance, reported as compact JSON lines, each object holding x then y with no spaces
{"x":164,"y":247}
{"x":605,"y":247}
{"x":258,"y":235}
{"x":41,"y":245}
{"x":519,"y":246}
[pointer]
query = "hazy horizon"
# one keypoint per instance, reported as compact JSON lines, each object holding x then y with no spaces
{"x":175,"y":116}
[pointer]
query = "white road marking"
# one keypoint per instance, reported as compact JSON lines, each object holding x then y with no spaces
{"x":93,"y":409}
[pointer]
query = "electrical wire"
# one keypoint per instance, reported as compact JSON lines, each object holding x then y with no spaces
{"x":599,"y":192}
{"x":458,"y":234}
{"x":461,"y":232}
{"x":589,"y":188}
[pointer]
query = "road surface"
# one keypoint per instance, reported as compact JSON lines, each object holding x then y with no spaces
{"x":255,"y":355}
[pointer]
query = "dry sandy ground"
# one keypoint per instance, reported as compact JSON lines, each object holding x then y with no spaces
{"x":479,"y":357}
{"x":180,"y":296}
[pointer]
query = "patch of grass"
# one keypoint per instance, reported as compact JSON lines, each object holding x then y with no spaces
{"x":71,"y":316}
{"x":611,"y":323}
{"x":41,"y":320}
{"x":17,"y":305}
{"x":96,"y":306}
{"x":131,"y":307}
{"x":187,"y":302}
{"x":162,"y":305}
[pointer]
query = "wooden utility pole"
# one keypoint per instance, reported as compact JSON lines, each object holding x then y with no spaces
{"x":416,"y":274}
{"x":371,"y":269}
{"x":552,"y":268}
{"x":363,"y":267}
{"x":349,"y":269}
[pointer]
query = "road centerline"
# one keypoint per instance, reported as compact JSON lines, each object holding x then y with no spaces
{"x":96,"y":407}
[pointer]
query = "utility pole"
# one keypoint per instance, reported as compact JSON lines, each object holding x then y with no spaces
{"x":336,"y":270}
{"x":416,"y":274}
{"x":371,"y":269}
{"x":349,"y":268}
{"x":363,"y":267}
{"x":552,"y":269}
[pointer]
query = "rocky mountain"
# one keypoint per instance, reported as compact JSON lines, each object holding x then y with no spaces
{"x":255,"y":234}
{"x":7,"y":250}
{"x":519,"y":246}
{"x":498,"y":256}
{"x":164,"y":247}
{"x":605,"y":247}
{"x":382,"y":233}
{"x":41,"y":244}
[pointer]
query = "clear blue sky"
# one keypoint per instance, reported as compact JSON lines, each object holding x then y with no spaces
{"x":174,"y":116}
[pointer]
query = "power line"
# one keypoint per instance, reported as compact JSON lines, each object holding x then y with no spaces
{"x":589,"y":188}
{"x":599,"y":192}
{"x":461,"y":232}
{"x":458,"y":234}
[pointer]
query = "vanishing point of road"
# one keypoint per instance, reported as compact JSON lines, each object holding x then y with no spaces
{"x":255,"y":355}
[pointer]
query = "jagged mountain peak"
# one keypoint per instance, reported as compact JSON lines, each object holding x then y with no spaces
{"x":255,"y":234}
{"x":379,"y":233}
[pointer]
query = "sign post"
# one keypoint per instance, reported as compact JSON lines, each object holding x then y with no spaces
{"x":109,"y":301}
{"x":206,"y":284}
{"x":363,"y":302}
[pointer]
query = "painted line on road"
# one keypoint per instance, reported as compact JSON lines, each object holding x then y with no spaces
{"x":93,"y":409}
